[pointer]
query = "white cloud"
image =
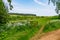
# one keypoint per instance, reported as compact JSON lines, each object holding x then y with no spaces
{"x":44,"y":11}
{"x":38,"y":12}
{"x":40,"y":3}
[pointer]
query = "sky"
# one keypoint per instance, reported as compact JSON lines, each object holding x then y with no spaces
{"x":38,"y":7}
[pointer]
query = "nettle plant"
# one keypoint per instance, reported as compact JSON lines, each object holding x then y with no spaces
{"x":57,"y":4}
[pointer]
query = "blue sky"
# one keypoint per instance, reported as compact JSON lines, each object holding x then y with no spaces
{"x":38,"y":7}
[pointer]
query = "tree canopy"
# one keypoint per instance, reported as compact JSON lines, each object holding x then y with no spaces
{"x":56,"y":3}
{"x":4,"y":12}
{"x":9,"y":1}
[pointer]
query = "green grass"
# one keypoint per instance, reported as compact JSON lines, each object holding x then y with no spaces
{"x":19,"y":32}
{"x":52,"y":26}
{"x":25,"y":32}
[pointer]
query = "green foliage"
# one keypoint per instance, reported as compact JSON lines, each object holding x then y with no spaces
{"x":11,"y":30}
{"x":22,"y":27}
{"x":52,"y":26}
{"x":3,"y":13}
{"x":57,"y":4}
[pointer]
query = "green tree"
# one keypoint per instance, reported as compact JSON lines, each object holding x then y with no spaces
{"x":57,"y":4}
{"x":4,"y":12}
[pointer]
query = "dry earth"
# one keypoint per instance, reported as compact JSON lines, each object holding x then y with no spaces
{"x":54,"y":35}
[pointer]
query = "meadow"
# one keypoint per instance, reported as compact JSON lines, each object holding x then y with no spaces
{"x":24,"y":27}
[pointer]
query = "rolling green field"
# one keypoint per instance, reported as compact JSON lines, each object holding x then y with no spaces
{"x":24,"y":27}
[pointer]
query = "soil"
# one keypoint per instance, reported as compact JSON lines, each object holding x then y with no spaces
{"x":53,"y":35}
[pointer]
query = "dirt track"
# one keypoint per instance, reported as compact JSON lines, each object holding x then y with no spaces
{"x":37,"y":35}
{"x":54,"y":35}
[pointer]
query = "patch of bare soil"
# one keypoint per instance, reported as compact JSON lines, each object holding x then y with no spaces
{"x":54,"y":35}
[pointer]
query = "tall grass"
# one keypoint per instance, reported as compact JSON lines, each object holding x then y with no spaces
{"x":52,"y":26}
{"x":12,"y":31}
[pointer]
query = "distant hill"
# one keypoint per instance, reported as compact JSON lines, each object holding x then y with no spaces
{"x":22,"y":14}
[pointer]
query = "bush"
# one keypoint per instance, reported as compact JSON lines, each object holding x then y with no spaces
{"x":3,"y":13}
